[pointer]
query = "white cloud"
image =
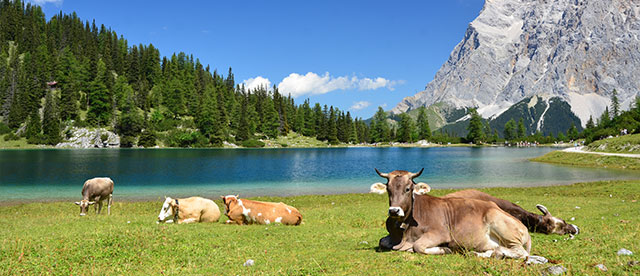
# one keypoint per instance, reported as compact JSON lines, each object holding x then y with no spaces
{"x":42,"y":2}
{"x":257,"y":82}
{"x":360,"y":105}
{"x":312,"y":83}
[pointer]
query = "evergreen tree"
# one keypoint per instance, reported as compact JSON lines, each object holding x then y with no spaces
{"x":51,"y":120}
{"x":522,"y":131}
{"x":590,"y":124}
{"x":34,"y":129}
{"x":272,"y":121}
{"x":615,"y":104}
{"x":380,"y":131}
{"x":332,"y":130}
{"x":476,"y":133}
{"x":130,"y":122}
{"x":406,"y":128}
{"x":510,"y":130}
{"x":572,"y":133}
{"x":244,"y":129}
{"x":99,"y":99}
{"x":605,"y":120}
{"x":424,"y":131}
{"x":207,"y":116}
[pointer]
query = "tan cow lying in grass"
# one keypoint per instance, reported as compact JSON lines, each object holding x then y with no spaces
{"x":97,"y":190}
{"x":188,"y":210}
{"x":426,"y":224}
{"x":244,"y":211}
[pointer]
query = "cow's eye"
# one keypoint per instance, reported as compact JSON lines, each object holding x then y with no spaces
{"x":406,"y":190}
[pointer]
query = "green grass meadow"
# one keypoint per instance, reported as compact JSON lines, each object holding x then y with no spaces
{"x":589,"y":160}
{"x":339,"y":235}
{"x":621,"y":144}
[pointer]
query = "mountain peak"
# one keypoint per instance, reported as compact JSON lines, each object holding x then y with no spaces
{"x":576,"y":50}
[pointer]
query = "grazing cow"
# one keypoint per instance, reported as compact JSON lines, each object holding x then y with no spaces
{"x":545,"y":223}
{"x":97,"y":190}
{"x":430,"y":225}
{"x":244,"y":211}
{"x":188,"y":210}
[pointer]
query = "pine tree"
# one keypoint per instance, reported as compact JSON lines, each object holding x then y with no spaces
{"x":207,"y":116}
{"x":33,"y":131}
{"x":510,"y":130}
{"x":332,"y":129}
{"x":590,"y":124}
{"x":406,"y":128}
{"x":522,"y":131}
{"x":605,"y":120}
{"x":380,"y":131}
{"x":572,"y":133}
{"x":615,"y":104}
{"x":243,"y":128}
{"x":99,"y":99}
{"x":51,"y":120}
{"x":272,"y":121}
{"x":424,"y":131}
{"x":130,"y":122}
{"x":476,"y":133}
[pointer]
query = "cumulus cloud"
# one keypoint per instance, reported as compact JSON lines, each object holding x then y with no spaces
{"x":360,"y":105}
{"x":42,"y":2}
{"x":313,"y":84}
{"x":257,"y":82}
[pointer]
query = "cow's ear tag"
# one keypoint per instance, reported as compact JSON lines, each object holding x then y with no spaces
{"x":421,"y":188}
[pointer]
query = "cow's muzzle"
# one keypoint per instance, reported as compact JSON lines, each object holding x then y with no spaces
{"x":396,"y":212}
{"x":576,"y":229}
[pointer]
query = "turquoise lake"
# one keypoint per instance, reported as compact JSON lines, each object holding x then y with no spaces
{"x":31,"y":175}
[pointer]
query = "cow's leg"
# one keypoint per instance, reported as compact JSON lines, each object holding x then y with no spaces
{"x":109,"y":204}
{"x":428,"y":244}
{"x":99,"y":207}
{"x":189,"y":220}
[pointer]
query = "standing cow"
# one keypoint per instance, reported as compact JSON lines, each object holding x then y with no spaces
{"x":97,"y":190}
{"x":188,"y":210}
{"x":244,"y":211}
{"x":430,"y":225}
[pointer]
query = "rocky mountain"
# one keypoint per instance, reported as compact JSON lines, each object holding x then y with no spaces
{"x":572,"y":51}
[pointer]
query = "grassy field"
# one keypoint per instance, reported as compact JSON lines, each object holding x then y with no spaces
{"x":339,"y":235}
{"x":589,"y":160}
{"x":622,"y":144}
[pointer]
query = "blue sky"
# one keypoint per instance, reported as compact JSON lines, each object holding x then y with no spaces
{"x":355,"y":55}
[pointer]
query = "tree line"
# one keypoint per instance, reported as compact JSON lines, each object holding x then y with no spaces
{"x":613,"y":121}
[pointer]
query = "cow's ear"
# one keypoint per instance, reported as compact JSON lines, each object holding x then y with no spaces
{"x":237,"y":196}
{"x":77,"y":203}
{"x":421,"y":188}
{"x":378,"y":188}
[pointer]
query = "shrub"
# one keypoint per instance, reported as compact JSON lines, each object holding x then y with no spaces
{"x":11,"y":137}
{"x":184,"y":138}
{"x":4,"y":129}
{"x":252,"y":144}
{"x":147,"y":139}
{"x":127,"y":141}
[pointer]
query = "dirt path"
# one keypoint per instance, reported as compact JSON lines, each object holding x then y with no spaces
{"x":581,"y":150}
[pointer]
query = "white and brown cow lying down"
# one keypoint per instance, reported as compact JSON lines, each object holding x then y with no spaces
{"x":244,"y":211}
{"x":430,"y":225}
{"x":545,"y":223}
{"x":96,"y":190}
{"x":188,"y":210}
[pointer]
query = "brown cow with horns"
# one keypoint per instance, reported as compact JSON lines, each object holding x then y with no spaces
{"x":430,"y":225}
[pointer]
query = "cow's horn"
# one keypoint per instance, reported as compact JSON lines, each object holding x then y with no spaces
{"x":414,"y":175}
{"x":385,"y":175}
{"x":543,"y":209}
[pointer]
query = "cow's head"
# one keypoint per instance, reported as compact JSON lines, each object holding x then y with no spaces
{"x":400,"y":187}
{"x":168,"y":209}
{"x":84,"y":206}
{"x":554,"y":225}
{"x":229,"y":201}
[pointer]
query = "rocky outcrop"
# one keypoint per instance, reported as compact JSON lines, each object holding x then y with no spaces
{"x":89,"y":138}
{"x":578,"y":50}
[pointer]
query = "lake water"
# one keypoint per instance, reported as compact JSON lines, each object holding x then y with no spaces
{"x":27,"y":175}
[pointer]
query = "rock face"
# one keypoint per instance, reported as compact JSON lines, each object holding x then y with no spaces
{"x":577,"y":50}
{"x":94,"y":138}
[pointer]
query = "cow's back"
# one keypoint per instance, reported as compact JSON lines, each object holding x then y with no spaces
{"x":270,"y":212}
{"x":201,"y":209}
{"x":98,"y":188}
